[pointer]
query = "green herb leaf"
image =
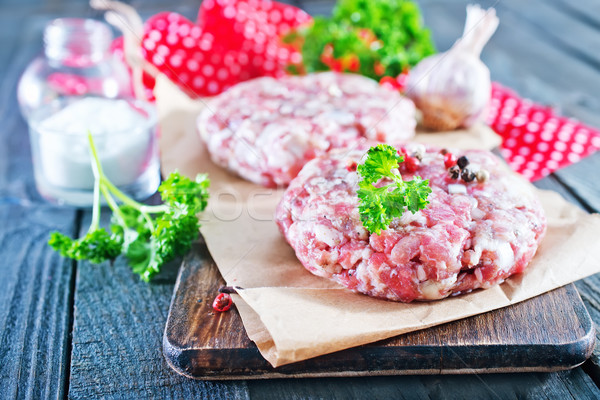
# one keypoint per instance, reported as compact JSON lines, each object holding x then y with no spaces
{"x":97,"y":246}
{"x":382,"y":193}
{"x":178,"y":190}
{"x":416,"y":193}
{"x":379,"y":162}
{"x":148,"y":236}
{"x":374,"y":38}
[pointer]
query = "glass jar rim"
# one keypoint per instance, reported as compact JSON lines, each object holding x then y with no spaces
{"x":63,"y":36}
{"x":57,"y":26}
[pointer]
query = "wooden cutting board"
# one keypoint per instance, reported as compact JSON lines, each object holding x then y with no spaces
{"x":547,"y":333}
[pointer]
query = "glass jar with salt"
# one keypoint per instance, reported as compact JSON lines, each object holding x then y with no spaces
{"x":76,"y":87}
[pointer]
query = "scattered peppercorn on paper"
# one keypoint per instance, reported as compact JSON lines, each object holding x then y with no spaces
{"x":293,"y":315}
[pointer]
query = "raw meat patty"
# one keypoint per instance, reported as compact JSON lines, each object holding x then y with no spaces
{"x":266,"y":129}
{"x":460,"y":242}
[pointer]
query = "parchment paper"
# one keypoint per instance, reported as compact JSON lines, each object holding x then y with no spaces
{"x":293,"y":315}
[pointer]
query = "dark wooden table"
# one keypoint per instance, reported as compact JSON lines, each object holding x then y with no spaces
{"x":85,"y":331}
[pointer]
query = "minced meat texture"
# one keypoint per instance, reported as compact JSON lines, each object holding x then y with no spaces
{"x":266,"y":129}
{"x":460,"y":242}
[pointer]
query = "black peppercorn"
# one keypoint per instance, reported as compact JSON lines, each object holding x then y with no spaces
{"x":454,"y":172}
{"x":467,"y":175}
{"x":462,"y":162}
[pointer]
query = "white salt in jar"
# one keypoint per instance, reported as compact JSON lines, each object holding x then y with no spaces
{"x":125,"y":139}
{"x":77,"y":86}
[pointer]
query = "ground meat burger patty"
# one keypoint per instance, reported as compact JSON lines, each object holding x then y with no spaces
{"x":464,"y":240}
{"x":266,"y":129}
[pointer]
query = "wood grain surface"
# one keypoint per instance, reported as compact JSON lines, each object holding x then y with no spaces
{"x":99,"y":335}
{"x":36,"y":298}
{"x":547,"y":333}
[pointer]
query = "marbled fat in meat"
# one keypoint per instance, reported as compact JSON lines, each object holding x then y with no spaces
{"x":266,"y":129}
{"x":460,"y":242}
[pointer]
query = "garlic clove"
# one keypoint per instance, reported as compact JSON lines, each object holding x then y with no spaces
{"x":452,"y":89}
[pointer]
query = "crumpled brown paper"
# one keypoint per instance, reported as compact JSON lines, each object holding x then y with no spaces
{"x":293,"y":315}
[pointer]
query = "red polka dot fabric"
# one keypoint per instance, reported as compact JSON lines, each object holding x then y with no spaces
{"x":233,"y":41}
{"x":537,"y":142}
{"x":254,"y":29}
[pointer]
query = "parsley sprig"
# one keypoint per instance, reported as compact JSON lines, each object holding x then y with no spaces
{"x":380,"y":204}
{"x":148,"y":236}
{"x":374,"y":38}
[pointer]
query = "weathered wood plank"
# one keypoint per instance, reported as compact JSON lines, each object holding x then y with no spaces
{"x":35,"y":302}
{"x":16,"y":171}
{"x":317,"y":7}
{"x":589,"y":290}
{"x":583,"y":180}
{"x":562,"y":29}
{"x":588,"y":12}
{"x":117,"y":338}
{"x":574,"y":384}
{"x":36,"y":285}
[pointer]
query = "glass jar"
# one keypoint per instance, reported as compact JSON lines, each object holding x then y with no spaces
{"x":77,"y":86}
{"x":76,"y":62}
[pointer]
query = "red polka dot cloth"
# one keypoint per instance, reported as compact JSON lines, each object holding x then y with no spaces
{"x":233,"y":41}
{"x":535,"y":141}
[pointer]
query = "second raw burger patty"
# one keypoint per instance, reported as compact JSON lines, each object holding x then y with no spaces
{"x":460,"y":242}
{"x":266,"y":129}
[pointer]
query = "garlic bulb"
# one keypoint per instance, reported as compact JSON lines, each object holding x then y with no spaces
{"x":452,"y":89}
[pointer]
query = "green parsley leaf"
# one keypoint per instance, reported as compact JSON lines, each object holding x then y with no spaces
{"x":417,"y":191}
{"x":380,"y":161}
{"x":148,"y":236}
{"x":178,"y":190}
{"x":374,"y":38}
{"x":382,"y":193}
{"x":97,"y":246}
